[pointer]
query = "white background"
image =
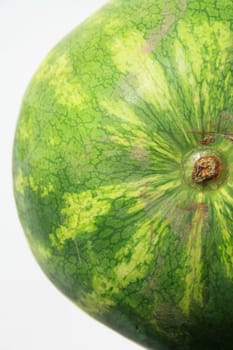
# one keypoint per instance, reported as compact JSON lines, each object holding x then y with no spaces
{"x":33,"y":314}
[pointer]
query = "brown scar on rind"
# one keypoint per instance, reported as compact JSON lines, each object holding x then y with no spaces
{"x":157,"y":35}
{"x":195,"y":206}
{"x":207,"y":140}
{"x":201,"y":211}
{"x":229,"y":137}
{"x":151,"y":232}
{"x":206,"y":169}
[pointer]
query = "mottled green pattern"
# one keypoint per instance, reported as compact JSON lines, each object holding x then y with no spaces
{"x":104,"y":127}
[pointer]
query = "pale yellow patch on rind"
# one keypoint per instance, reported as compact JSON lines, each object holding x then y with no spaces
{"x":98,"y":301}
{"x":81,"y":210}
{"x":142,"y":255}
{"x":192,"y":52}
{"x":193,"y":283}
{"x":22,"y":182}
{"x":120,"y":110}
{"x":60,"y":76}
{"x":149,"y":78}
{"x":79,"y":214}
{"x":226,"y":248}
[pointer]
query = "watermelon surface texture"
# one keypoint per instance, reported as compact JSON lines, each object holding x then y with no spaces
{"x":122,"y":168}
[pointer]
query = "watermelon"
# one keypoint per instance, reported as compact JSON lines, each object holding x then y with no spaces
{"x":122,"y":168}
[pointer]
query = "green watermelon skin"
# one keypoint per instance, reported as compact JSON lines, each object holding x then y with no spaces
{"x":104,"y":128}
